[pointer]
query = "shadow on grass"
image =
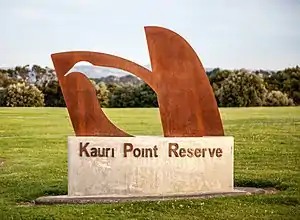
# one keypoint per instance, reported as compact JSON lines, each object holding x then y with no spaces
{"x":55,"y":191}
{"x":261,"y":183}
{"x":60,"y":188}
{"x":282,"y":200}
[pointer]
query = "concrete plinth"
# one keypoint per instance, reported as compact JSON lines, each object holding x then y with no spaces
{"x":112,"y":167}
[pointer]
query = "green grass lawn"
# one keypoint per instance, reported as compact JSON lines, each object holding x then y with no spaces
{"x":33,"y":163}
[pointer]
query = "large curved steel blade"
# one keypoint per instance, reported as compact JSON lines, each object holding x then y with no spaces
{"x":186,"y":100}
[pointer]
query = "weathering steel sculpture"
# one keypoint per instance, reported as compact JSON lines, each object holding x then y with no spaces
{"x":186,"y":100}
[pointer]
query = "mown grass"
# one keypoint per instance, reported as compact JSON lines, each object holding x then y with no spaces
{"x":34,"y":154}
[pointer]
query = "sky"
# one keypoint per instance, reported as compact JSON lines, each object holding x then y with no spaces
{"x":256,"y":34}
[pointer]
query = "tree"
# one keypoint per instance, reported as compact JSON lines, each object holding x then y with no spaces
{"x":242,"y":89}
{"x":124,"y":96}
{"x":217,"y":77}
{"x":22,"y":72}
{"x":53,"y":96}
{"x":286,"y":81}
{"x":102,"y":94}
{"x":3,"y":94}
{"x":24,"y":95}
{"x":111,"y":86}
{"x":5,"y":80}
{"x":39,"y":71}
{"x":147,"y":97}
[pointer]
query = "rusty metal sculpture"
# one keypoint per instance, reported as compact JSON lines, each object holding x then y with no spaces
{"x":186,"y":100}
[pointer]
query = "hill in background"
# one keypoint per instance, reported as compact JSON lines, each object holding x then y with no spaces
{"x":100,"y":72}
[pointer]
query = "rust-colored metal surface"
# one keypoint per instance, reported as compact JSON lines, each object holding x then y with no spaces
{"x":86,"y":115}
{"x":186,"y":100}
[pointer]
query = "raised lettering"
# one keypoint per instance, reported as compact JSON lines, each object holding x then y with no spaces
{"x":106,"y":151}
{"x":148,"y":150}
{"x":171,"y":149}
{"x":83,"y":149}
{"x":182,"y":152}
{"x":94,"y":152}
{"x":127,"y":148}
{"x":155,"y":151}
{"x":113,"y":152}
{"x":211,"y":151}
{"x":136,"y":152}
{"x":219,"y":152}
{"x":198,"y":152}
{"x":101,"y":152}
{"x":190,"y":152}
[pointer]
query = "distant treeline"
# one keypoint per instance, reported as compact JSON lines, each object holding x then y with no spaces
{"x":232,"y":88}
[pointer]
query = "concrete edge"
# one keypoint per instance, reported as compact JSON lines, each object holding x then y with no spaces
{"x":64,"y":199}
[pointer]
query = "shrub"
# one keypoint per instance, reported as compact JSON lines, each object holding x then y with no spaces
{"x":24,"y":95}
{"x":241,"y":89}
{"x":277,"y":98}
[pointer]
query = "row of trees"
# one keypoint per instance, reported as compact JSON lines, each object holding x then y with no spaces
{"x":242,"y":88}
{"x":237,"y":88}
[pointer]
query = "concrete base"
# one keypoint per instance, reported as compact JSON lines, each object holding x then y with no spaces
{"x":64,"y":199}
{"x":149,"y":166}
